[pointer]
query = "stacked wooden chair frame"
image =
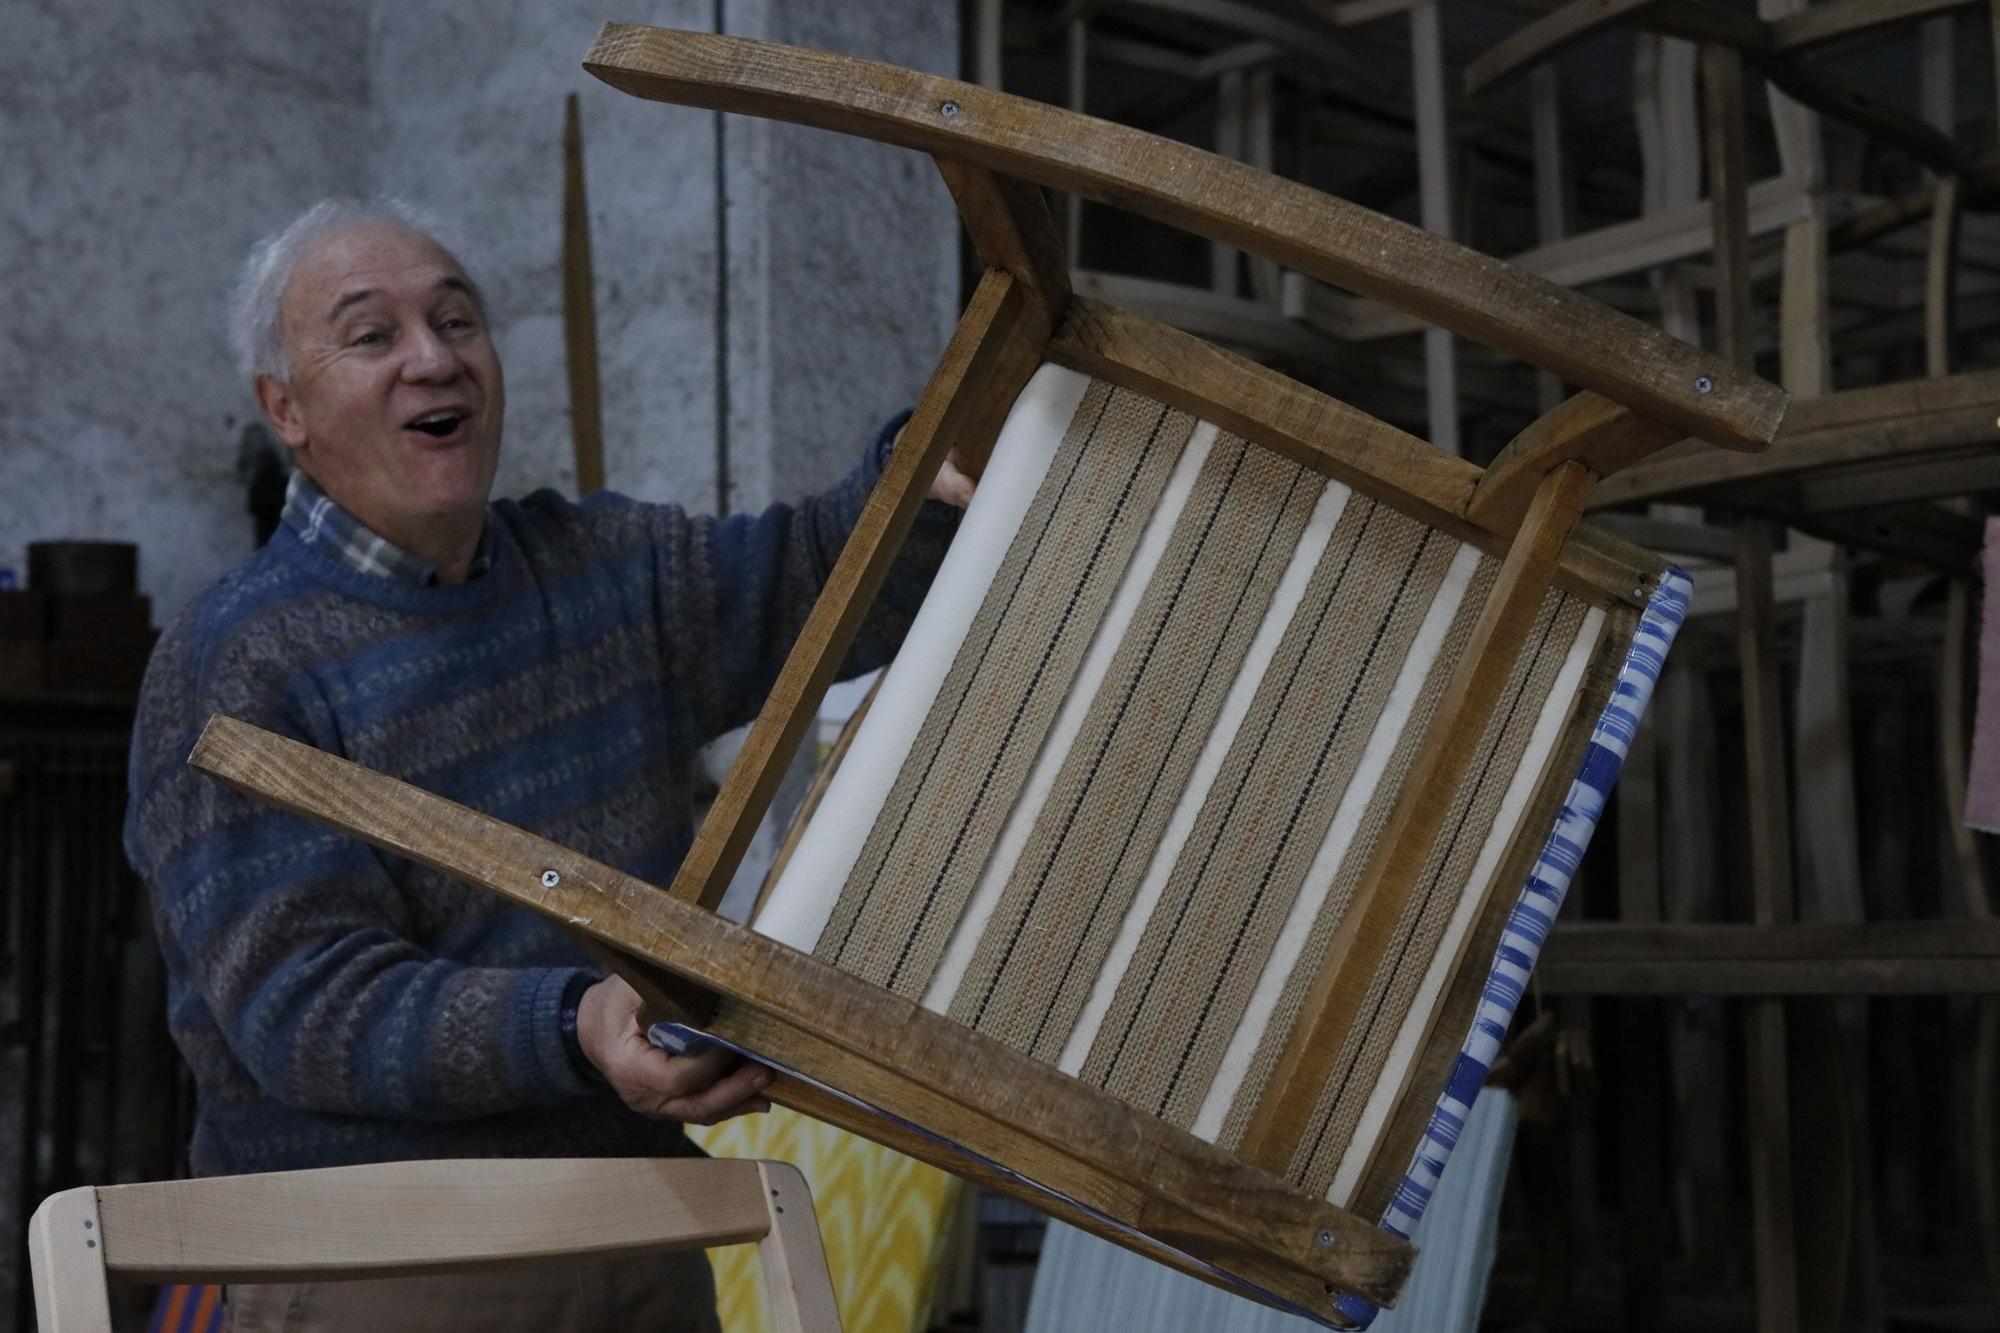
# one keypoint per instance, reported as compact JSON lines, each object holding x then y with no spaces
{"x":1252,"y":1208}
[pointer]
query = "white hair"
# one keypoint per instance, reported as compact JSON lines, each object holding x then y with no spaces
{"x":254,"y":334}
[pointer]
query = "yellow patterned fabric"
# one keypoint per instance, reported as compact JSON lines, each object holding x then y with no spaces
{"x":882,"y":1215}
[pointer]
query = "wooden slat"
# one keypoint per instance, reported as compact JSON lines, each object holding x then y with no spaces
{"x":1076,"y":1189}
{"x":1434,"y":208}
{"x":1912,"y":957}
{"x":1695,"y":20}
{"x":842,"y":1113}
{"x":1885,"y":423}
{"x":1610,"y":251}
{"x":1227,"y":105}
{"x":1768,"y":824}
{"x":798,"y":1288}
{"x":586,"y":414}
{"x":1955,"y":704}
{"x":1586,"y":429}
{"x":1829,"y":21}
{"x":1672,"y":536}
{"x":990,"y":1081}
{"x":1941,"y":278}
{"x":996,"y":348}
{"x":1869,"y":486}
{"x":1805,"y":321}
{"x":1929,"y":534}
{"x":1366,"y":932}
{"x":1690,"y":783}
{"x":1551,"y":201}
{"x":1641,"y":1090}
{"x":1328,"y":436}
{"x":407,"y":1218}
{"x":1879,"y":220}
{"x":66,"y":1257}
{"x":1256,"y":328}
{"x":1722,"y":133}
{"x":1336,"y":57}
{"x":1883,"y":123}
{"x":1012,"y":230}
{"x":1328,"y":238}
{"x":1565,"y":26}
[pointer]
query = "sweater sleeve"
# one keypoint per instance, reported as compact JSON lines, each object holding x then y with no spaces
{"x":734,"y":592}
{"x":289,"y":947}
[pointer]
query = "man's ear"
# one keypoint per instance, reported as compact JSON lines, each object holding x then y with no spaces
{"x":282,"y":408}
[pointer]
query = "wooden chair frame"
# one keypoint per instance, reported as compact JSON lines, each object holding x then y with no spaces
{"x":913,"y":1079}
{"x":402,"y":1219}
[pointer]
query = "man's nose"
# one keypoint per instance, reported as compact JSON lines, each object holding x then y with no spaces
{"x":427,"y":357}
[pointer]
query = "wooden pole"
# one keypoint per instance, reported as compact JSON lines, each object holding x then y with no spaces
{"x":586,"y":413}
{"x":1434,"y":190}
{"x":1763,"y":727}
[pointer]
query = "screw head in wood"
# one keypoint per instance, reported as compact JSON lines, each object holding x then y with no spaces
{"x":550,"y":879}
{"x":948,"y":110}
{"x":1703,"y":384}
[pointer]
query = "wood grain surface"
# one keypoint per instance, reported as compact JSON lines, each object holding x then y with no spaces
{"x":1228,"y":202}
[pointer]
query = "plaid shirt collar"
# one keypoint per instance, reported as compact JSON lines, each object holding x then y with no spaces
{"x":316,"y":520}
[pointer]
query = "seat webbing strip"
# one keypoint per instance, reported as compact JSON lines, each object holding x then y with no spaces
{"x":1042,"y":949}
{"x":921,"y":860}
{"x":1354,"y":863}
{"x":1233,"y":883}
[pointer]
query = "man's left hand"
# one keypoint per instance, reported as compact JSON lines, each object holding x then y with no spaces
{"x":701,"y":1089}
{"x":951,"y":484}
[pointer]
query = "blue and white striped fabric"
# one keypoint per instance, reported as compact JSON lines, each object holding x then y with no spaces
{"x":1534,"y":915}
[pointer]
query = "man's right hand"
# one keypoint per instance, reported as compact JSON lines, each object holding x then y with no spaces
{"x":696,"y":1089}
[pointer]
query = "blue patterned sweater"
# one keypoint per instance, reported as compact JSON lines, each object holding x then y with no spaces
{"x":338,"y":1004}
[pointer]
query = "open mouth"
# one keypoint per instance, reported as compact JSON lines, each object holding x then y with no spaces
{"x":438,"y":425}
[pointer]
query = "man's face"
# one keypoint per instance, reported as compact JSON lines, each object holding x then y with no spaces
{"x":395,"y":400}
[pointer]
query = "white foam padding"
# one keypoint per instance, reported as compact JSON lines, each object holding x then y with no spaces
{"x":804,"y":896}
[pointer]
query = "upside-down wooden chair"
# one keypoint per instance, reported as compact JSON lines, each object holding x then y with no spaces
{"x":1187,"y":871}
{"x":403,"y":1219}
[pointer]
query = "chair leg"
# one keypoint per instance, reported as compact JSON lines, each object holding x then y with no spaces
{"x":66,"y":1255}
{"x":796,"y":1281}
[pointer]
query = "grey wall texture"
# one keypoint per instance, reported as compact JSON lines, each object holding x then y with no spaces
{"x":766,"y":294}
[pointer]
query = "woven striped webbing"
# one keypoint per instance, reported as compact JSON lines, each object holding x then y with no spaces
{"x":1157,"y":748}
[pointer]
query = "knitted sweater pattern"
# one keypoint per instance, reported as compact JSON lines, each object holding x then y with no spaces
{"x":339,"y":1004}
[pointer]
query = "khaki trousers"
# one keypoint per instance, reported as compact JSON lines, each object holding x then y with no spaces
{"x":646,"y":1293}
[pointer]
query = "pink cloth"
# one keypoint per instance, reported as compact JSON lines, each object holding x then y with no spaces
{"x":1982,"y":784}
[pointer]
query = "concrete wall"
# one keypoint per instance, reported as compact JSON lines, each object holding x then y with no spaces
{"x":858,"y":245}
{"x":144,"y":148}
{"x":748,"y":346}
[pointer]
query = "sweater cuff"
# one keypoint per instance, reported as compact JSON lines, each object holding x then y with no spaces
{"x":885,"y":443}
{"x":572,"y":1001}
{"x":540,"y":1016}
{"x":934,"y":514}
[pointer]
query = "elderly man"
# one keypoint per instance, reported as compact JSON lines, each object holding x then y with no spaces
{"x":556,"y":665}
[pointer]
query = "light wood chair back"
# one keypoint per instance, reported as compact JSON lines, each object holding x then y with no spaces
{"x":403,"y":1219}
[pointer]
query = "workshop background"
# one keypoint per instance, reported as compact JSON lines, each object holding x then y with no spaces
{"x":766,"y":295}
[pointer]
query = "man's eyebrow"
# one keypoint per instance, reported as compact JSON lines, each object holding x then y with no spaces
{"x":450,"y":282}
{"x":350,"y":299}
{"x":462,"y":285}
